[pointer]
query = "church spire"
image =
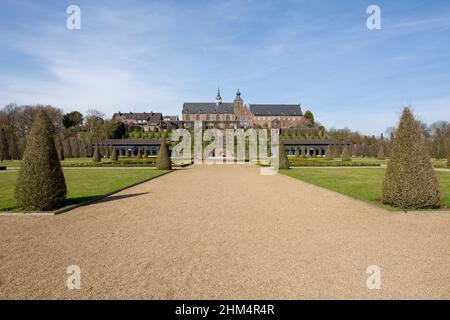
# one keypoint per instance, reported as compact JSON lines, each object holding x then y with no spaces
{"x":238,"y":96}
{"x":218,"y":97}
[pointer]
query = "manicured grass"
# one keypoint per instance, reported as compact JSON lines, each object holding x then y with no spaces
{"x":83,"y":184}
{"x":359,"y":183}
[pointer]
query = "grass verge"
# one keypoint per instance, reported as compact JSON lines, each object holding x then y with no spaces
{"x":83,"y":185}
{"x":359,"y":183}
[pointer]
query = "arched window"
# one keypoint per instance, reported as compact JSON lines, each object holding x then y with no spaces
{"x":197,"y":117}
{"x":217,"y":117}
{"x":188,"y":118}
{"x":208,"y":117}
{"x":228,"y":117}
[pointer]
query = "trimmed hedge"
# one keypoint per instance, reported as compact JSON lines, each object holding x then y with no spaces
{"x":121,"y":163}
{"x":330,"y":163}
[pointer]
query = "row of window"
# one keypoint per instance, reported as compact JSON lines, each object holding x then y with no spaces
{"x":208,"y":117}
{"x":228,"y":118}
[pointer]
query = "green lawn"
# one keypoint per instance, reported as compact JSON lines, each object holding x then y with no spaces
{"x":359,"y":183}
{"x":82,"y":184}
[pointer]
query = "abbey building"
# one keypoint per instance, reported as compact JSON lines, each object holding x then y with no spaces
{"x":237,"y":114}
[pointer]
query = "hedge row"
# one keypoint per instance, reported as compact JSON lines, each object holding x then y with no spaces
{"x":129,"y":163}
{"x":330,"y":163}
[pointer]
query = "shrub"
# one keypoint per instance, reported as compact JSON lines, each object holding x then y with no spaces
{"x":346,"y":156}
{"x":139,"y":154}
{"x":163,"y":161}
{"x":410,"y":181}
{"x":107,"y":155}
{"x":283,"y":159}
{"x":114,"y":154}
{"x":40,"y":182}
{"x":60,"y":153}
{"x":145,"y":153}
{"x":380,"y":155}
{"x":329,"y":153}
{"x":4,"y":147}
{"x":127,"y":153}
{"x":336,"y":153}
{"x":96,"y":156}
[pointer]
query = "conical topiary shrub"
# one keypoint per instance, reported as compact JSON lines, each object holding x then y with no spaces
{"x":163,"y":161}
{"x":139,"y":154}
{"x":127,"y":153}
{"x":107,"y":154}
{"x":40,"y":182}
{"x":410,"y":181}
{"x":346,"y":155}
{"x":145,"y":153}
{"x":448,"y":156}
{"x":4,"y":147}
{"x":60,"y":153}
{"x":96,"y":156}
{"x":329,"y":153}
{"x":283,"y":159}
{"x":114,"y":156}
{"x":380,"y":155}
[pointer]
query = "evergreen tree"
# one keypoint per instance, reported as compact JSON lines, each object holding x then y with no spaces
{"x":60,"y":153}
{"x":40,"y":183}
{"x":96,"y":156}
{"x":410,"y":181}
{"x":380,"y":155}
{"x":163,"y":161}
{"x":4,"y":147}
{"x":329,"y":153}
{"x":114,"y":154}
{"x":346,"y":155}
{"x":107,"y":154}
{"x":283,"y":159}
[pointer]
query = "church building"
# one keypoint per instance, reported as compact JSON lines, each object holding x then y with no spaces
{"x":236,"y":114}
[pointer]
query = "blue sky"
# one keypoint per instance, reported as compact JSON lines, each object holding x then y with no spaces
{"x":155,"y":55}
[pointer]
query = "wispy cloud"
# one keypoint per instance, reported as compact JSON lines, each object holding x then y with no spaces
{"x":156,"y":55}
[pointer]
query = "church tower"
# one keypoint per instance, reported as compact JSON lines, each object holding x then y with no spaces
{"x":238,"y":103}
{"x":218,"y":98}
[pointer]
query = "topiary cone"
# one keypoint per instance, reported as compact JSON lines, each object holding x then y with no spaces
{"x":329,"y":153}
{"x":410,"y":181}
{"x":139,"y":154}
{"x":163,"y":161}
{"x":380,"y":155}
{"x":145,"y":153}
{"x":107,"y":154}
{"x":448,"y":157}
{"x":40,"y":183}
{"x":283,"y":159}
{"x":346,"y":156}
{"x":60,"y":153}
{"x":96,"y":156}
{"x":114,"y":154}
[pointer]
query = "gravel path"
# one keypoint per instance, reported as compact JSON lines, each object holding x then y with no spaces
{"x":226,"y":232}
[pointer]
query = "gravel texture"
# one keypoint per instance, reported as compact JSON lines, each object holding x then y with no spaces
{"x":226,"y":232}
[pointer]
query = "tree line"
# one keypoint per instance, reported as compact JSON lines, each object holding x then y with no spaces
{"x":74,"y":134}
